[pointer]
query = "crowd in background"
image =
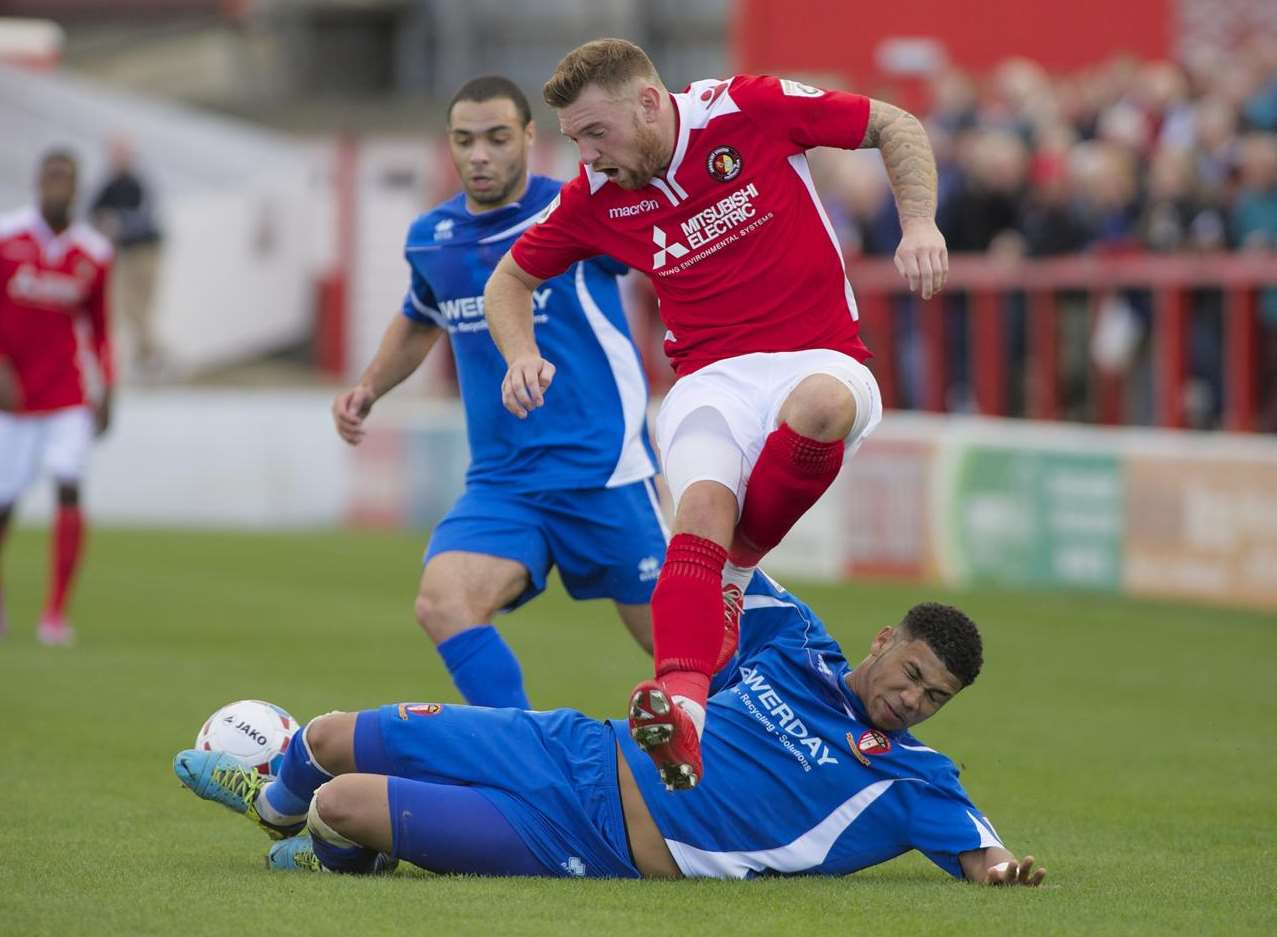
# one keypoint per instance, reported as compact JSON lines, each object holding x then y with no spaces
{"x":1124,"y":156}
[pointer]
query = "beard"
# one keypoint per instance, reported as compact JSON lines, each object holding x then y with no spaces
{"x":650,"y":158}
{"x":500,"y":194}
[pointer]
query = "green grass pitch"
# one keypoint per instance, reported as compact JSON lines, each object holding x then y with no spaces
{"x":1128,"y":745}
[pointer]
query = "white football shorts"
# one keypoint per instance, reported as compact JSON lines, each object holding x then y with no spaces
{"x":57,"y":442}
{"x":714,"y":422}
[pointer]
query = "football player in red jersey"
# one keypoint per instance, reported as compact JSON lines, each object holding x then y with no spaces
{"x":710,"y":194}
{"x":53,"y":274}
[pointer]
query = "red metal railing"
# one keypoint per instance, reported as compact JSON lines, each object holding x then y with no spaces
{"x":1169,"y":279}
{"x":987,"y":281}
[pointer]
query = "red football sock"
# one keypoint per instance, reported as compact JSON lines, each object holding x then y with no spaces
{"x":791,"y":474}
{"x":687,"y":615}
{"x":68,"y":537}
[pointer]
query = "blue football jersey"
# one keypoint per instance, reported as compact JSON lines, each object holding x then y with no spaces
{"x":592,"y":430}
{"x":797,"y":781}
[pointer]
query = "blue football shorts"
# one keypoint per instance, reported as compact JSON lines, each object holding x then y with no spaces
{"x":552,"y":775}
{"x":608,"y":543}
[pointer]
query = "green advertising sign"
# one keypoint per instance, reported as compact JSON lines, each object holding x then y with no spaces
{"x":1025,"y":517}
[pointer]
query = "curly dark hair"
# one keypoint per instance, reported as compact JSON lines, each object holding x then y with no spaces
{"x":951,"y":634}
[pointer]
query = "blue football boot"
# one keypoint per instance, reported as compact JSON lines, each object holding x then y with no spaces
{"x":218,"y":777}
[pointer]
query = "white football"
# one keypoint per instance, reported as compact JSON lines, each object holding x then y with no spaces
{"x":253,"y":732}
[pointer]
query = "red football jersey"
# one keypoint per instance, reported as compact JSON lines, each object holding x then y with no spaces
{"x":49,"y":282}
{"x":732,"y":234}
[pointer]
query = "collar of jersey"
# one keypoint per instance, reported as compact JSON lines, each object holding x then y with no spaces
{"x":470,"y":228}
{"x":852,"y":701}
{"x":680,"y":142}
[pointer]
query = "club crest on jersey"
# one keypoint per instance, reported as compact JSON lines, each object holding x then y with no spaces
{"x":724,"y":163}
{"x":419,"y":709}
{"x":873,"y":742}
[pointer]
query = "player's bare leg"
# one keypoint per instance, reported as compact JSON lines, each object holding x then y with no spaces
{"x":356,"y":808}
{"x":638,"y":622}
{"x":667,"y":715}
{"x":460,"y":593}
{"x":6,"y":513}
{"x":331,"y":741}
{"x":799,"y":462}
{"x":67,"y":549}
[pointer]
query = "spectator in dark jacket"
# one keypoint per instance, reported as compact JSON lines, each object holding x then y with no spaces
{"x":124,"y":211}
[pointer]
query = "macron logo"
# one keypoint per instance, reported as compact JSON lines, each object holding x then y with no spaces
{"x":627,"y":211}
{"x":665,"y":249}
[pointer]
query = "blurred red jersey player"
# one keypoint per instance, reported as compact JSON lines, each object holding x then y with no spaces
{"x":53,"y":274}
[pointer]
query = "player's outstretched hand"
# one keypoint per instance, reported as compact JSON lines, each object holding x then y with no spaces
{"x":1016,"y":873}
{"x":523,"y":389}
{"x":349,"y":410}
{"x":922,"y":257}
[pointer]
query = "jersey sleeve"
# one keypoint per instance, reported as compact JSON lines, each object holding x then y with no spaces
{"x":419,"y":303}
{"x":943,"y":823}
{"x":555,"y":242}
{"x":805,"y":116}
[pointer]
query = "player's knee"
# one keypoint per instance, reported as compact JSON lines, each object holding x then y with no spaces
{"x":442,"y":612}
{"x":328,"y":740}
{"x":820,"y":408}
{"x":334,"y":805}
{"x":68,"y":494}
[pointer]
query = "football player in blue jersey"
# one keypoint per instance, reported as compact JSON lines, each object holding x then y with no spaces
{"x":819,"y":773}
{"x":539,"y":492}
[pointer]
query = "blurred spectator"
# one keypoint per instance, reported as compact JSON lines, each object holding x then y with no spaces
{"x":1254,"y":216}
{"x":985,"y":205}
{"x":1215,"y":125}
{"x":1175,"y":216}
{"x":1049,"y":219}
{"x":124,"y":211}
{"x":1254,"y":225}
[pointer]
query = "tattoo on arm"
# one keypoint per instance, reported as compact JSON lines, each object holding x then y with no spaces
{"x":911,"y":167}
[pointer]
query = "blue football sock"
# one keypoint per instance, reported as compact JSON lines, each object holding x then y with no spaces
{"x":451,"y":828}
{"x":288,"y":796}
{"x":484,"y":668}
{"x":352,"y":859}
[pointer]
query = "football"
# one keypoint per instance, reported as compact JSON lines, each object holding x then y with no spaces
{"x":253,"y":732}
